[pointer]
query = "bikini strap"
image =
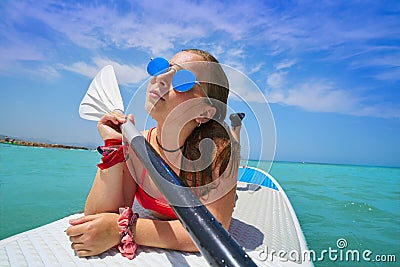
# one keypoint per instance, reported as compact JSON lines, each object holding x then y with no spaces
{"x":148,"y":140}
{"x":149,"y":134}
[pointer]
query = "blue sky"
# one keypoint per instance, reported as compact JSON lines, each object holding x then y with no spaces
{"x":330,"y":70}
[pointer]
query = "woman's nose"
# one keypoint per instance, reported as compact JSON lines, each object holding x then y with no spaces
{"x":164,"y":80}
{"x":161,"y":80}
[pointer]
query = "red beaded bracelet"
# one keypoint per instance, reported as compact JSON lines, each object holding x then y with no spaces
{"x":113,"y":153}
{"x":125,"y":222}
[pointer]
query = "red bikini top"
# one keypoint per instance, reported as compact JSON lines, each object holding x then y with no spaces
{"x":148,"y":202}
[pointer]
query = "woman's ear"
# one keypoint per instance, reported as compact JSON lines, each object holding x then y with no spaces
{"x":207,"y":114}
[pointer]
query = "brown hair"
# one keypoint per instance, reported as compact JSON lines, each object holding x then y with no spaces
{"x":215,"y":129}
{"x":219,"y":88}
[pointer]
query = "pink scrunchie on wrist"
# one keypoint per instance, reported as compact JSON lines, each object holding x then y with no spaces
{"x":125,"y":221}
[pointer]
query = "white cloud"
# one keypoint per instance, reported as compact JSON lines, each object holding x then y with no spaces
{"x":321,"y":96}
{"x":380,"y":110}
{"x":228,"y":29}
{"x":256,"y":68}
{"x":242,"y":88}
{"x":276,"y":80}
{"x":82,"y":68}
{"x":148,"y":25}
{"x":48,"y":72}
{"x":126,"y":74}
{"x":285,"y":64}
{"x":145,"y":25}
{"x":389,"y":75}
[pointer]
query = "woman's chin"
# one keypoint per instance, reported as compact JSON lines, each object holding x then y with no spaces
{"x":152,"y":109}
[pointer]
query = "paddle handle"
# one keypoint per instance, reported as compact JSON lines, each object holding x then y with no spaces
{"x":212,"y":240}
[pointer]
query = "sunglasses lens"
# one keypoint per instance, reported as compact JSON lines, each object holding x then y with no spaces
{"x":183,"y":80}
{"x":157,"y":66}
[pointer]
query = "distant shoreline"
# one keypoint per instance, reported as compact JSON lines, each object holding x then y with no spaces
{"x":36,"y":144}
{"x":18,"y":142}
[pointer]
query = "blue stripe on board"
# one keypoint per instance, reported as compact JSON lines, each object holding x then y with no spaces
{"x":254,"y":176}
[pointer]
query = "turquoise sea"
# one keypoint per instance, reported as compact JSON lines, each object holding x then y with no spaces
{"x":356,"y":204}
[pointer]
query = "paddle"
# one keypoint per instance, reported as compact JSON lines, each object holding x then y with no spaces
{"x":102,"y":96}
{"x":212,"y":240}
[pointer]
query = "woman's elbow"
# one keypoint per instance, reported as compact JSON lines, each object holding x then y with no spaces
{"x":226,"y":223}
{"x":186,"y":243}
{"x":188,"y":246}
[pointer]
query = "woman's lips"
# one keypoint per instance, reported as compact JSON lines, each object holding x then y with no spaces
{"x":155,"y":95}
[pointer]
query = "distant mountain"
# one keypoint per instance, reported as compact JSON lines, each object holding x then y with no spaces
{"x":47,"y":141}
{"x":30,"y":139}
{"x":2,"y":136}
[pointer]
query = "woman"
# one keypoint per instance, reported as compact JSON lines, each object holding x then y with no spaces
{"x":183,"y":120}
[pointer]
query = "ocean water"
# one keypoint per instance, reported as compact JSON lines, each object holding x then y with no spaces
{"x":341,"y":208}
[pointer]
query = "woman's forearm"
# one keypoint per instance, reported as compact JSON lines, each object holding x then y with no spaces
{"x":172,"y":234}
{"x":163,"y":234}
{"x":106,"y":194}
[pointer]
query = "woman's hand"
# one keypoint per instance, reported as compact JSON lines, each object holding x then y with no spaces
{"x":93,"y":234}
{"x":109,"y":125}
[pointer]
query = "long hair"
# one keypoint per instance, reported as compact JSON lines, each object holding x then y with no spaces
{"x":215,"y":129}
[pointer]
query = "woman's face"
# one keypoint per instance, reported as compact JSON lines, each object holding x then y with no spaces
{"x":163,"y":101}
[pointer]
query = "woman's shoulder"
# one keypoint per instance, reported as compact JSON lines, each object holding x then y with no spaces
{"x":146,"y":133}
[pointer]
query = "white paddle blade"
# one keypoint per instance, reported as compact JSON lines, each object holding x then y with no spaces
{"x":103,"y":96}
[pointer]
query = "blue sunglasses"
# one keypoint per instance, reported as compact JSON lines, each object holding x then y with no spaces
{"x":182,"y":81}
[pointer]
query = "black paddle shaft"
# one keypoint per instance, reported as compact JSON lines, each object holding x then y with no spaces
{"x":212,"y":240}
